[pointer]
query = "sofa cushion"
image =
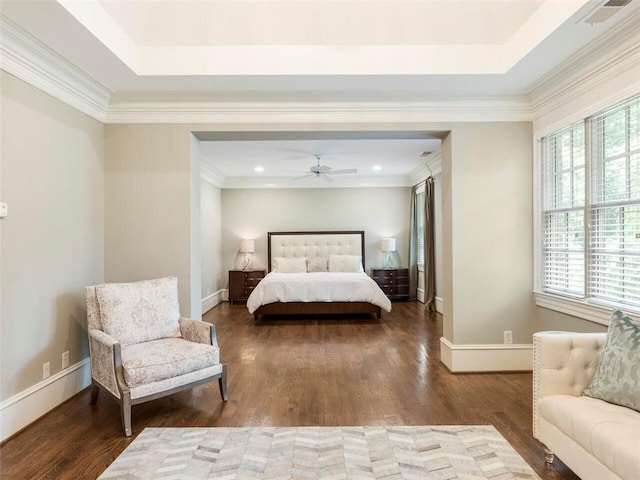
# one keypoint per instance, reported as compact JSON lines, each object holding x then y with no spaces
{"x":140,"y":311}
{"x":609,"y":432}
{"x":617,"y":378}
{"x":165,"y":358}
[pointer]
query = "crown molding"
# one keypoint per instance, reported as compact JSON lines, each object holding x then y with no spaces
{"x":211,"y":174}
{"x":608,"y":56}
{"x":28,"y":59}
{"x":341,"y":181}
{"x":432,"y":166}
{"x":484,"y":109}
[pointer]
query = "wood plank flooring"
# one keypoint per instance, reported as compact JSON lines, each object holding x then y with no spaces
{"x":296,"y":371}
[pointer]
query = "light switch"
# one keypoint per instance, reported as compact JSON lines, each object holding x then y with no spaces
{"x":4,"y":209}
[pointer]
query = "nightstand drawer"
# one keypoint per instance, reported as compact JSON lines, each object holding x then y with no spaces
{"x":242,"y":283}
{"x":394,"y":282}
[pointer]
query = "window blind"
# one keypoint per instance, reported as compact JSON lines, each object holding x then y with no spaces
{"x":613,"y":255}
{"x":563,"y":155}
{"x":591,"y":207}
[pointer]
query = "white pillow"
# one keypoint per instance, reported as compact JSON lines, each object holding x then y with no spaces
{"x":345,"y":263}
{"x":140,"y":311}
{"x":290,"y":265}
{"x":317,"y":264}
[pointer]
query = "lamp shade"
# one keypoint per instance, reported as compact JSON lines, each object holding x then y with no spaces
{"x":388,"y":244}
{"x":247,"y":246}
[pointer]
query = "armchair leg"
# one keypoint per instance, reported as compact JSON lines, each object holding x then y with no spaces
{"x":94,"y":393}
{"x":125,"y":407}
{"x":222,"y":382}
{"x":548,"y":456}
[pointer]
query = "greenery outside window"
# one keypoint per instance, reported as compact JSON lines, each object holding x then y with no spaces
{"x":590,"y":222}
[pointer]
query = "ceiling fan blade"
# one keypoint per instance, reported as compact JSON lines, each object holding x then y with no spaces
{"x":326,"y":178}
{"x":301,"y":177}
{"x":343,"y":171}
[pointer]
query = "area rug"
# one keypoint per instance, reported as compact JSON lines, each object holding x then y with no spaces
{"x":327,"y":453}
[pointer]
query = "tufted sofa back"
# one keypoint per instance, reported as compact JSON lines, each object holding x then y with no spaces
{"x":563,"y":364}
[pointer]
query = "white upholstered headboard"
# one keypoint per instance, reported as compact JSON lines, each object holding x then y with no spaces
{"x":314,"y":244}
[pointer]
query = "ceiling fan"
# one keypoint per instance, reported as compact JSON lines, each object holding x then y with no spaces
{"x":324,"y":171}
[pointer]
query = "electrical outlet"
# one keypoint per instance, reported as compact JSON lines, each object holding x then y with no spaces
{"x":65,"y":359}
{"x":508,"y":336}
{"x":46,"y":370}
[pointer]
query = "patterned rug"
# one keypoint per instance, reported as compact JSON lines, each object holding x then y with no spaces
{"x":328,"y":453}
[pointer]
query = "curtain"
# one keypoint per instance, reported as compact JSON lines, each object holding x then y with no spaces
{"x":429,"y":248}
{"x":413,"y":245}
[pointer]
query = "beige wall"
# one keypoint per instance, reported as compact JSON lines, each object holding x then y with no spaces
{"x":211,"y":237}
{"x":251,"y":213}
{"x":556,"y":321}
{"x":148,"y":192}
{"x":52,"y":242}
{"x":489,"y":169}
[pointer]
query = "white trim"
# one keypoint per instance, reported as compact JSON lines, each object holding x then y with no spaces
{"x":608,"y":56}
{"x":203,"y":110}
{"x":588,"y":310}
{"x":432,"y":165}
{"x":211,"y":301}
{"x":486,"y":357}
{"x":27,"y":406}
{"x":440,"y":305}
{"x":29,"y":60}
{"x":211,"y":174}
{"x":439,"y":301}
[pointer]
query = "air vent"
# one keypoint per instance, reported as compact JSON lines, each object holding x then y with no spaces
{"x":617,"y":3}
{"x":604,"y":12}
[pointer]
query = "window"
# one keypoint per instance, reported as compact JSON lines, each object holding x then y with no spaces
{"x":591,"y":208}
{"x":420,"y":194}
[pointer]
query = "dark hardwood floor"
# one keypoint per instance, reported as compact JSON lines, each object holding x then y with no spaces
{"x":285,"y":372}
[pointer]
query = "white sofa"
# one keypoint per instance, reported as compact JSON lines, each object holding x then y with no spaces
{"x":596,"y":439}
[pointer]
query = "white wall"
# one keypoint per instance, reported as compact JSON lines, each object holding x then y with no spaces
{"x":52,"y":242}
{"x":251,"y":213}
{"x":211,"y":235}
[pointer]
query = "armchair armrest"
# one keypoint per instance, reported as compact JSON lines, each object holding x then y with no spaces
{"x":105,"y":358}
{"x":563,"y":364}
{"x":198,"y":331}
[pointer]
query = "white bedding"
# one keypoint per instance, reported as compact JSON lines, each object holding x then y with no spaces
{"x":317,"y":287}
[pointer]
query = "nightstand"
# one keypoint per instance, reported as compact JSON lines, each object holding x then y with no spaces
{"x":242,"y":283}
{"x":394,"y":282}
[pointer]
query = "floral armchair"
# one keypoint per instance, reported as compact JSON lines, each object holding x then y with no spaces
{"x":141,"y":349}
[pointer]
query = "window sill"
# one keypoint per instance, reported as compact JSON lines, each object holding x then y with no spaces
{"x":579,"y":308}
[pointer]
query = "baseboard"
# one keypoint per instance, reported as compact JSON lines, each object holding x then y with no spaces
{"x":27,"y":406}
{"x":211,"y":301}
{"x":440,"y":305}
{"x":486,"y":357}
{"x":439,"y":301}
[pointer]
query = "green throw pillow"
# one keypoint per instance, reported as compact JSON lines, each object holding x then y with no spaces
{"x":617,"y":379}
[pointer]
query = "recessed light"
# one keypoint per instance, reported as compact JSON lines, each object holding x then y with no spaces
{"x":259,"y":169}
{"x":377,"y":167}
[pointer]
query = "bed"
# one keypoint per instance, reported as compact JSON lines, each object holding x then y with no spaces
{"x":315,"y":273}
